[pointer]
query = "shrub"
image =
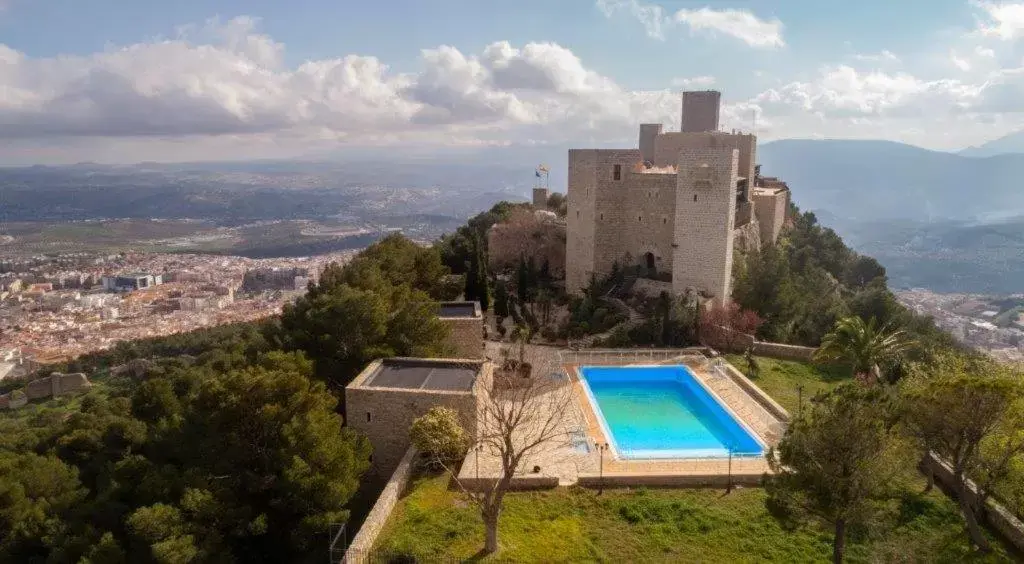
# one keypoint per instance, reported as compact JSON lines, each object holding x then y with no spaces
{"x":439,"y":435}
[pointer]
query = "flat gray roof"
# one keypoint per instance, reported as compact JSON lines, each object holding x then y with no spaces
{"x":458,"y":309}
{"x":413,"y":375}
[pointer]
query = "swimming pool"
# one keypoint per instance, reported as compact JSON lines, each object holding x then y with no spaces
{"x":664,"y":412}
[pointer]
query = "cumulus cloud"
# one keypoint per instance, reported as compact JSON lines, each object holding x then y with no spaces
{"x":739,"y":24}
{"x":224,"y":86}
{"x":1002,"y":20}
{"x":884,"y":56}
{"x":694,"y":82}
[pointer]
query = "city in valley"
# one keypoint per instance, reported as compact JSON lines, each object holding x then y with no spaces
{"x":992,"y":324}
{"x":54,"y":309}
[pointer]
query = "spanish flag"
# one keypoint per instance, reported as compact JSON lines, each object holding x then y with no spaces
{"x":543,"y":169}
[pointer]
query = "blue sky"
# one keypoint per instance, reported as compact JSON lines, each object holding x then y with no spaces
{"x":120,"y":80}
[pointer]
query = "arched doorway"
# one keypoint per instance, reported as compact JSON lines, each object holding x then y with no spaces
{"x":649,"y":263}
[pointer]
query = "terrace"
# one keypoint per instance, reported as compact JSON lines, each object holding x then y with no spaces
{"x":583,"y":457}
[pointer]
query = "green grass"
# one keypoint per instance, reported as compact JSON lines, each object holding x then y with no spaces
{"x":435,"y":523}
{"x":781,"y":379}
{"x":432,"y":522}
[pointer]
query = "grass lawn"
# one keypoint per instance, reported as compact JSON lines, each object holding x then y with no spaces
{"x":781,"y":378}
{"x":433,"y":523}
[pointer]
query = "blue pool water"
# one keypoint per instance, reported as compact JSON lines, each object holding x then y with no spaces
{"x":664,"y":412}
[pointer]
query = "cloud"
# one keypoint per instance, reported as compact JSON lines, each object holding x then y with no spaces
{"x":1005,"y":20}
{"x":739,"y":24}
{"x":984,"y":52}
{"x":884,"y":56}
{"x":694,"y":82}
{"x":223,"y":87}
{"x":651,"y":16}
{"x":958,"y":62}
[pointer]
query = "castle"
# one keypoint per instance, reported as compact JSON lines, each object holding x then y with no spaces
{"x":675,"y":207}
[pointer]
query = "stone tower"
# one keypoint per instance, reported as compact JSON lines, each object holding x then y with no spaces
{"x":704,"y":221}
{"x":649,"y":133}
{"x":700,"y":111}
{"x":540,"y":198}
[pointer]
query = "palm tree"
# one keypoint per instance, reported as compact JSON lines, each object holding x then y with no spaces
{"x":864,"y":345}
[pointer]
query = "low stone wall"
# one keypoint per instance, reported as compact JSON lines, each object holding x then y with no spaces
{"x":757,"y":393}
{"x":783,"y":352}
{"x":631,"y":480}
{"x":997,"y":516}
{"x":651,"y":288}
{"x":382,"y":508}
{"x":519,"y":483}
{"x":56,"y":384}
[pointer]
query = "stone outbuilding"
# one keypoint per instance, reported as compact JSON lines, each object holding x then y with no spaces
{"x":389,"y":394}
{"x":465,"y":320}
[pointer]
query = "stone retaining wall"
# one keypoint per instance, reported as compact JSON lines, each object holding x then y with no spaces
{"x":385,"y":504}
{"x":997,"y":516}
{"x":519,"y":482}
{"x":626,"y":480}
{"x":56,"y":384}
{"x":783,"y":352}
{"x":651,"y":288}
{"x":757,"y":393}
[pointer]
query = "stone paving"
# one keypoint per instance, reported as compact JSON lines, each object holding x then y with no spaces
{"x":576,"y":455}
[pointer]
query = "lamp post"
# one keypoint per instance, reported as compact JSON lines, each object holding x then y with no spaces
{"x":728,"y":487}
{"x":800,"y":400}
{"x":601,"y":447}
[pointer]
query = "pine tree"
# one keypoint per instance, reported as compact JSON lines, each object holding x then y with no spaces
{"x":522,"y":280}
{"x":482,"y":289}
{"x":472,"y":278}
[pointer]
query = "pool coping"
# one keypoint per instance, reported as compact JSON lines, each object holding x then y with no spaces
{"x":669,"y":454}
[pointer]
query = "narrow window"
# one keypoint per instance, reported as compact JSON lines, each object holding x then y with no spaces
{"x":371,"y":459}
{"x":617,"y":173}
{"x":577,"y":214}
{"x":602,"y":216}
{"x":664,"y":220}
{"x":639,"y":218}
{"x":367,"y":416}
{"x":694,"y":197}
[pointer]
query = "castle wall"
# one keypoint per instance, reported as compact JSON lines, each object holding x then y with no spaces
{"x":705,"y":219}
{"x":592,"y":240}
{"x":771,"y":207}
{"x":667,"y":147}
{"x":648,"y":134}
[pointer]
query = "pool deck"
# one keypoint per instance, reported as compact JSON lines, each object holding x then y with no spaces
{"x":565,"y":464}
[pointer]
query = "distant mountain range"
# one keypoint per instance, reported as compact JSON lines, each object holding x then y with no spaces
{"x":942,"y":221}
{"x":945,"y":221}
{"x":1012,"y":143}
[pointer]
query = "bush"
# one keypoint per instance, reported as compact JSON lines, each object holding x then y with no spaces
{"x":439,"y":435}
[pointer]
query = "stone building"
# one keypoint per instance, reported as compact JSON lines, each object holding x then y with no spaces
{"x":389,"y":394}
{"x":465,"y":322}
{"x":673,"y":208}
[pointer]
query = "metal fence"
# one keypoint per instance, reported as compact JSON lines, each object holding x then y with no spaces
{"x":614,"y":357}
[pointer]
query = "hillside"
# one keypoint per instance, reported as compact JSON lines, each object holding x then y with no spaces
{"x":1011,"y":143}
{"x":883,"y":180}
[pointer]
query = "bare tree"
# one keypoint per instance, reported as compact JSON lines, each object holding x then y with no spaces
{"x":520,"y":421}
